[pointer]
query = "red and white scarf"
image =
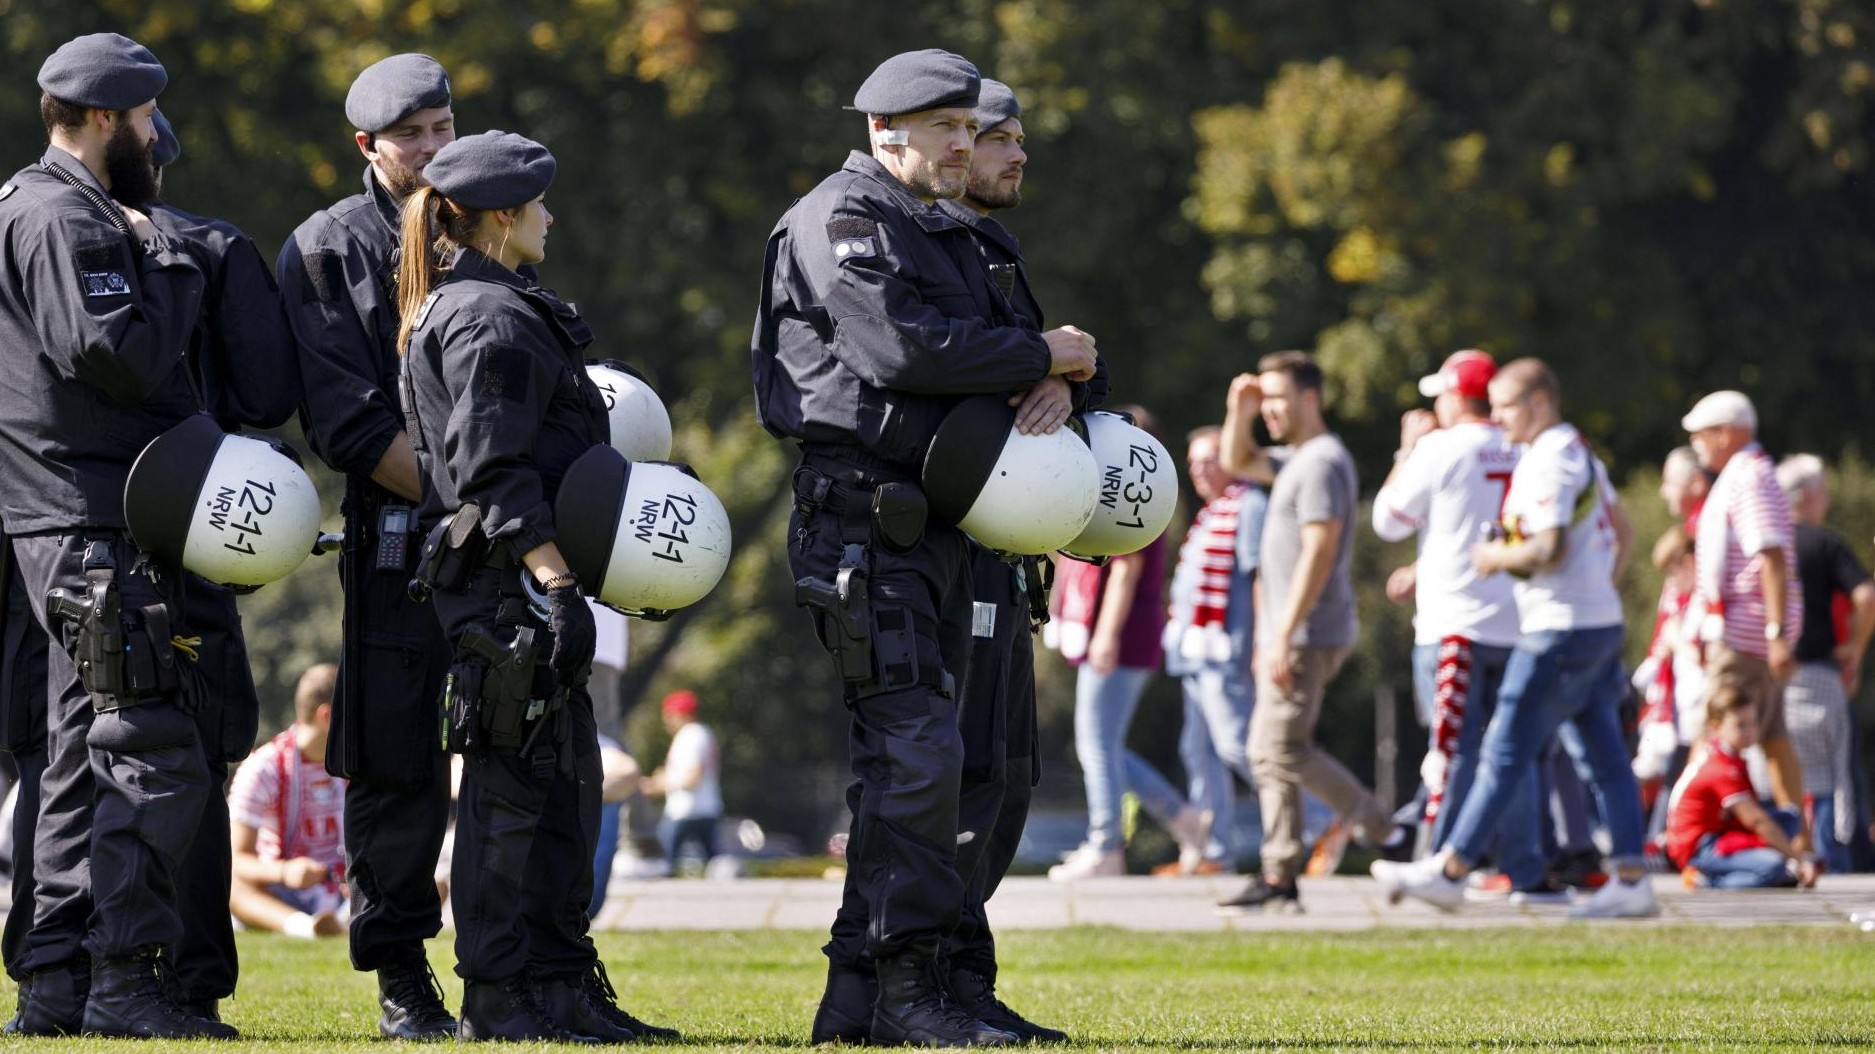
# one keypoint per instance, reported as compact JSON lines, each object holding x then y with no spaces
{"x":1212,"y":544}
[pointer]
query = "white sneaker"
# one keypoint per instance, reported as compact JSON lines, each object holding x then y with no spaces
{"x":1422,"y":879}
{"x":1190,"y":827}
{"x":1089,"y":862}
{"x":1619,"y":900}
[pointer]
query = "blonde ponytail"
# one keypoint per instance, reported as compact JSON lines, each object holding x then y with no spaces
{"x":434,"y":227}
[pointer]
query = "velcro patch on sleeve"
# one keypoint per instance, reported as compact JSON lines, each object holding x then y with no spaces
{"x":322,"y":276}
{"x":104,"y":268}
{"x":853,"y":236}
{"x":505,"y":374}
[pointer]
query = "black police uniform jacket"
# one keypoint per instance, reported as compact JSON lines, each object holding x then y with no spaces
{"x":243,"y":347}
{"x":500,"y":401}
{"x":1001,"y":253}
{"x":338,"y":277}
{"x":94,"y":330}
{"x":873,"y":319}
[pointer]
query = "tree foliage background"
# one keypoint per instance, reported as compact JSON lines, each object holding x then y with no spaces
{"x":1661,"y":198}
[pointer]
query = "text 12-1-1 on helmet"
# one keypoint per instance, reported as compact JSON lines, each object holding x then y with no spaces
{"x":641,"y":426}
{"x":1019,"y":494}
{"x":1138,"y":488}
{"x":643,"y":537}
{"x":237,"y":510}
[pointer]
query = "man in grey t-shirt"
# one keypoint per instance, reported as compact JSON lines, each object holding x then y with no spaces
{"x":1307,"y":624}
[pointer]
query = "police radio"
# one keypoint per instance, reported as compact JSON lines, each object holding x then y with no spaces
{"x":394,"y":523}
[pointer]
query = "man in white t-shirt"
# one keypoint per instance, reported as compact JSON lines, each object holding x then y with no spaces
{"x":1450,"y":479}
{"x":287,"y":823}
{"x":1566,"y":539}
{"x":690,"y":781}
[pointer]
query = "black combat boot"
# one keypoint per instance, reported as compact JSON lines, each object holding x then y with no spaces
{"x":587,"y":1003}
{"x":413,"y":1002}
{"x":506,"y":1009}
{"x":845,"y":1014}
{"x":128,"y":999}
{"x":52,"y":1001}
{"x":976,"y":994}
{"x":915,"y":1008}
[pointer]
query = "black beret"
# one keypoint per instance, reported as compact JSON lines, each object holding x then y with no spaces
{"x":996,"y":104}
{"x":168,"y":148}
{"x":918,"y":80}
{"x":492,"y":170}
{"x":392,"y":89}
{"x":104,"y":71}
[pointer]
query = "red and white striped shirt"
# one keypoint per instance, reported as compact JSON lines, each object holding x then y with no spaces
{"x":1745,"y":515}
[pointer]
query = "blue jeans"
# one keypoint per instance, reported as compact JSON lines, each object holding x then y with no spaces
{"x":1748,"y":868}
{"x":603,"y":851}
{"x":1553,"y":677}
{"x":1518,"y":849}
{"x":699,"y":831}
{"x":1213,"y":745}
{"x":1103,"y":710}
{"x":1823,"y":833}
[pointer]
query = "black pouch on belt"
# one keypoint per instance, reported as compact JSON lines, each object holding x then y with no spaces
{"x":899,"y":513}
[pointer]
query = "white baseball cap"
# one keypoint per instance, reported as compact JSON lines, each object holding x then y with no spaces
{"x":1721,"y":408}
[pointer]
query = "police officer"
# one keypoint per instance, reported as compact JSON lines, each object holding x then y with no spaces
{"x":872,"y":325}
{"x":338,"y":278}
{"x":241,"y":353}
{"x":99,"y":315}
{"x":499,"y":405}
{"x":998,"y":717}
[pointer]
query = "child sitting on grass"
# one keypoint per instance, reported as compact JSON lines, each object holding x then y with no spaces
{"x":1717,"y":831}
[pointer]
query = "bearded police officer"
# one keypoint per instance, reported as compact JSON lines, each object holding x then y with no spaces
{"x":97,"y":314}
{"x":998,"y":717}
{"x":338,"y":277}
{"x":241,"y":353}
{"x":871,"y":326}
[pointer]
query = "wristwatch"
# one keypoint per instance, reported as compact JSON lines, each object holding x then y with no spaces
{"x":1773,"y":631}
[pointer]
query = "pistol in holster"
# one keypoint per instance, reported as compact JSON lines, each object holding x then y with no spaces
{"x":489,"y":694}
{"x":123,"y":657}
{"x":843,"y":611}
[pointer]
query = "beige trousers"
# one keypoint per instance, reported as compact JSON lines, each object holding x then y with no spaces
{"x":1285,"y":760}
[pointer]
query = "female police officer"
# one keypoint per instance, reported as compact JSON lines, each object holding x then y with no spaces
{"x":499,"y":405}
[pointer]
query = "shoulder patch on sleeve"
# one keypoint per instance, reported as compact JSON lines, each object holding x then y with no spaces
{"x":103,"y":268}
{"x":322,"y":276}
{"x":853,"y":236}
{"x":6,"y":191}
{"x":505,"y":372}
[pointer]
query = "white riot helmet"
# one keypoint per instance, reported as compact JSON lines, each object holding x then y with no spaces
{"x":641,"y":427}
{"x":237,"y":510}
{"x":1015,"y":493}
{"x":644,"y":537}
{"x":1138,"y":488}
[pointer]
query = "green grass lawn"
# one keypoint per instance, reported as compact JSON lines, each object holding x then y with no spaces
{"x":1576,"y":987}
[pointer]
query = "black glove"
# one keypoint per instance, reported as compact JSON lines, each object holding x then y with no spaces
{"x":574,"y":636}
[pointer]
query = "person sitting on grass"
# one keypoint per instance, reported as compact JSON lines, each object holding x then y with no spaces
{"x":285,"y":812}
{"x":1718,"y":833}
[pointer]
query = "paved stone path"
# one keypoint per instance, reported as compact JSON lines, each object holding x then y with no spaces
{"x":1186,"y":904}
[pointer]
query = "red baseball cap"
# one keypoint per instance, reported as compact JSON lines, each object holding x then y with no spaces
{"x":1464,"y":372}
{"x":682,"y":701}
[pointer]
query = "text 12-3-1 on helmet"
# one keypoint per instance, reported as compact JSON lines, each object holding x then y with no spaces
{"x":1018,"y":494}
{"x":236,"y":510}
{"x":1138,"y":488}
{"x":641,"y":426}
{"x":644,"y":537}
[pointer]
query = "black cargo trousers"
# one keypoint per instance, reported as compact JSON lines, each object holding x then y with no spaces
{"x":903,"y":892}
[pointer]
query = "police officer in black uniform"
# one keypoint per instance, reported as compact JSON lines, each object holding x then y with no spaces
{"x":338,"y":275}
{"x":98,"y":316}
{"x":998,"y":717}
{"x":499,"y":405}
{"x":242,"y":355}
{"x":872,"y":325}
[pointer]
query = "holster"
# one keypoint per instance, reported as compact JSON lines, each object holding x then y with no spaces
{"x":492,"y":694}
{"x":124,"y":658}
